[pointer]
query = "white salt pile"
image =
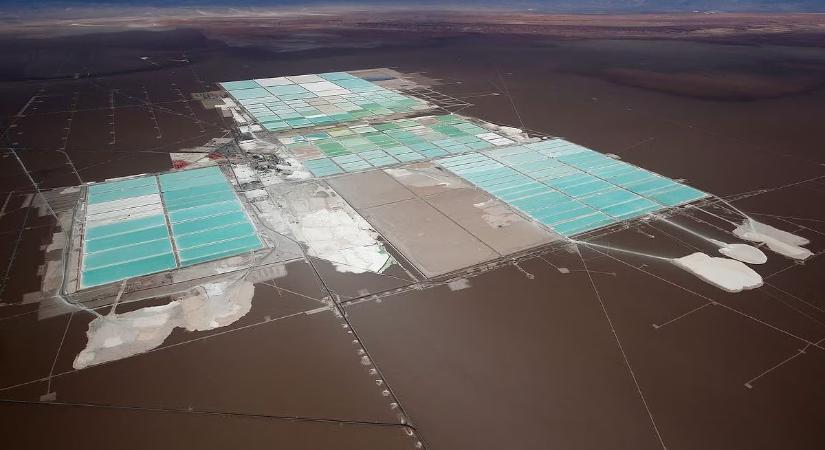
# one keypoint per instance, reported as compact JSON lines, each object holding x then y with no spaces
{"x":117,"y":336}
{"x":743,"y":252}
{"x":782,"y":242}
{"x":727,"y":274}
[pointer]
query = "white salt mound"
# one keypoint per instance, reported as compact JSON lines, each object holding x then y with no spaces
{"x":782,"y":242}
{"x":727,"y":274}
{"x":117,"y":336}
{"x":744,"y":252}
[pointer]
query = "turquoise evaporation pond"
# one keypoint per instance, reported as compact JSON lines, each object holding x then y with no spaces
{"x":300,"y":101}
{"x":567,"y":187}
{"x":207,"y":220}
{"x":128,"y":222}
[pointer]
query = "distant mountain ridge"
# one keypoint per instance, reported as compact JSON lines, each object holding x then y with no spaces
{"x":567,"y":6}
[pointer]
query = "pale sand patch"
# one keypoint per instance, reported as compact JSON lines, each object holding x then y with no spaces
{"x":459,"y":284}
{"x":497,"y":214}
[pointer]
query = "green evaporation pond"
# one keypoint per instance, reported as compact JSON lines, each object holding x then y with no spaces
{"x":356,"y":148}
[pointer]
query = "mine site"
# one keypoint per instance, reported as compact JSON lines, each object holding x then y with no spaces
{"x":411,"y":229}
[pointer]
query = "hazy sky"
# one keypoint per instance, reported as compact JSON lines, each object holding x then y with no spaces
{"x":549,"y":5}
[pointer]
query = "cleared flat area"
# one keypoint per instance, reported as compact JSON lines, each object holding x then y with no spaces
{"x":434,"y":243}
{"x":453,"y":227}
{"x":370,"y":189}
{"x":490,"y":220}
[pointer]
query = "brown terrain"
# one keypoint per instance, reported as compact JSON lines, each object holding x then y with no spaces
{"x":561,"y":348}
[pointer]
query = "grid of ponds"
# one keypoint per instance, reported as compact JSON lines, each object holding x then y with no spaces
{"x":207,"y":220}
{"x":128,"y":223}
{"x":358,"y":147}
{"x":567,"y":187}
{"x":284,"y":103}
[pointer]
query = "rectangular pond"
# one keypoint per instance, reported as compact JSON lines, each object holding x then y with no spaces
{"x":569,"y":188}
{"x":144,"y":225}
{"x":358,"y":147}
{"x":284,"y":103}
